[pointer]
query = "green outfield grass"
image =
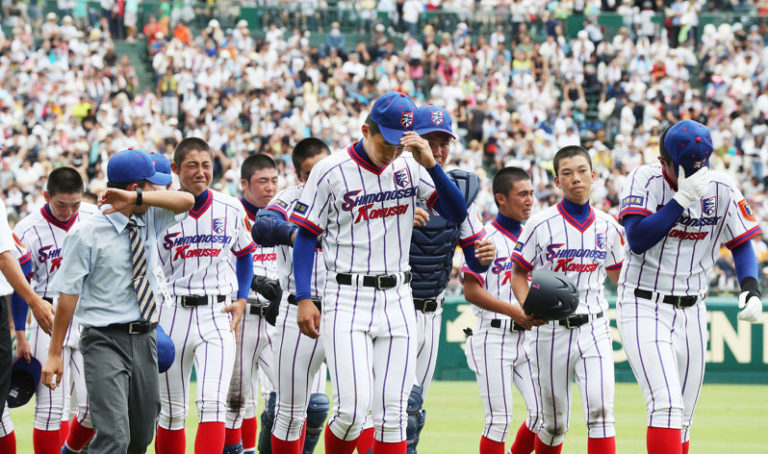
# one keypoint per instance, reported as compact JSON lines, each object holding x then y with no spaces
{"x":729,"y":419}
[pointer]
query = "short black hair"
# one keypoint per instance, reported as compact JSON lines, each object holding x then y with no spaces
{"x":663,"y":151}
{"x":256,"y":162}
{"x":569,"y":152}
{"x":64,"y":180}
{"x":307,"y":148}
{"x":505,"y":180}
{"x":372,"y":125}
{"x":189,"y":145}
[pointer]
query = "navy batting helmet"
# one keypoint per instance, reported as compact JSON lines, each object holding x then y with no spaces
{"x":25,"y":377}
{"x":552,"y":296}
{"x":165,"y":350}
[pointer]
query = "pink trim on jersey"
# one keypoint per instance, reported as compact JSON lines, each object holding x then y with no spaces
{"x":206,"y":205}
{"x":274,"y":207}
{"x":634,"y":210}
{"x":503,"y":231}
{"x":432,"y":200}
{"x":362,"y":162}
{"x":741,"y":239}
{"x":615,"y":266}
{"x":55,"y":222}
{"x":571,"y":220}
{"x":245,"y":251}
{"x":466,"y":270}
{"x":473,"y":238}
{"x":307,"y":224}
{"x":521,"y":261}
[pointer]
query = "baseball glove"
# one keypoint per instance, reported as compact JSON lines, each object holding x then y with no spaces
{"x":269,"y":289}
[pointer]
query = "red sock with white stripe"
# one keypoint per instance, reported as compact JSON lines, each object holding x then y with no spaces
{"x":525,"y":441}
{"x":543,"y":448}
{"x":601,"y":445}
{"x":379,"y":447}
{"x":336,"y":445}
{"x":664,"y":441}
{"x":46,"y":440}
{"x":488,"y":446}
{"x":686,"y":445}
{"x":209,"y":438}
{"x":249,"y":430}
{"x":79,"y":435}
{"x":8,"y":443}
{"x":365,"y":441}
{"x":64,"y":432}
{"x":170,"y":441}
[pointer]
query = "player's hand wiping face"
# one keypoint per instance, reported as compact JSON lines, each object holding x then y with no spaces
{"x":420,"y":149}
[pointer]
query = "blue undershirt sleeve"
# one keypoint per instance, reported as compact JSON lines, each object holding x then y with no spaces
{"x":472,"y":262}
{"x":19,"y":307}
{"x":643,"y":232}
{"x":450,"y":201}
{"x":744,"y":260}
{"x":303,"y":260}
{"x":244,"y":271}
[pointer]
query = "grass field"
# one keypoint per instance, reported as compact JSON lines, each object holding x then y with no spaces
{"x":730,"y":419}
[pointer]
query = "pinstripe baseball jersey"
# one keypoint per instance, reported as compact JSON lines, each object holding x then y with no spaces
{"x":679,"y":264}
{"x":283,"y":203}
{"x":196,"y":254}
{"x":264,"y":260}
{"x":44,"y":236}
{"x":498,"y":279}
{"x":361,"y":208}
{"x":554,"y":240}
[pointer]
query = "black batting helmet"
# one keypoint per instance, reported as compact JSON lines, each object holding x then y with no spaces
{"x":552,"y":296}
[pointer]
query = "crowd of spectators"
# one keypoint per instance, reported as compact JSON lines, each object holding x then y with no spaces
{"x":66,"y":98}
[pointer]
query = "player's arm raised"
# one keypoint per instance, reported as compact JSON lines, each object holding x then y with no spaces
{"x":176,"y":201}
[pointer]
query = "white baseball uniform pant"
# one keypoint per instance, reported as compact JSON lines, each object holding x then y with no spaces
{"x":428,"y":325}
{"x":666,"y":348}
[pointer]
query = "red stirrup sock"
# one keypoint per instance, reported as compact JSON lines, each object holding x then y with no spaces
{"x":46,"y":441}
{"x":287,"y":447}
{"x":525,"y":441}
{"x":8,"y":443}
{"x":170,"y":441}
{"x":249,"y":430}
{"x":64,"y":432}
{"x":79,"y":435}
{"x":664,"y":441}
{"x":365,"y":441}
{"x":379,"y":447}
{"x":488,"y":446}
{"x":686,"y":445}
{"x":232,"y":436}
{"x":209,"y":438}
{"x":543,"y":448}
{"x":337,"y":446}
{"x":601,"y":445}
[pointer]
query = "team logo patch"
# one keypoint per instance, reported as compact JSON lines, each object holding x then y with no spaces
{"x":632,"y":200}
{"x":218,"y":225}
{"x":746,"y":211}
{"x":519,"y":246}
{"x":406,"y":119}
{"x":699,"y":163}
{"x":437,"y":117}
{"x":282,"y":204}
{"x":709,"y":205}
{"x":402,"y":178}
{"x":600,"y":240}
{"x":301,"y":208}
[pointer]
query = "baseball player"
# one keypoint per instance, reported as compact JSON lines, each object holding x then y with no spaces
{"x":498,"y":349}
{"x":196,"y":260}
{"x":43,"y":232}
{"x":363,"y":201}
{"x":299,"y":360}
{"x":432,"y":247}
{"x":677,"y":214}
{"x":254,"y":347}
{"x":586,"y":245}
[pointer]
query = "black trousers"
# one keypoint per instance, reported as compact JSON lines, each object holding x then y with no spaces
{"x":6,"y":353}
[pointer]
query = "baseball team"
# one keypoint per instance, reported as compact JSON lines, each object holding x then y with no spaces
{"x":345,"y":275}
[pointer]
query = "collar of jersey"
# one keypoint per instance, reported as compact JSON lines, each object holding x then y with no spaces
{"x":203,"y":201}
{"x":506,"y":226}
{"x":46,"y":211}
{"x":666,"y":178}
{"x":582,"y":226}
{"x":250,"y":209}
{"x":358,"y":154}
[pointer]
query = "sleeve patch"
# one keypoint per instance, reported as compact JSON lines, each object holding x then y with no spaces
{"x":282,"y":204}
{"x":746,"y":211}
{"x":632,"y":200}
{"x":519,"y":246}
{"x":301,"y":208}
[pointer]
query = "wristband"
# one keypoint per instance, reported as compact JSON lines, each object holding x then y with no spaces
{"x":139,"y":197}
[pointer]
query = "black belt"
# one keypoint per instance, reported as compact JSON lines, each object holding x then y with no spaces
{"x":50,"y":300}
{"x":141,"y":327}
{"x":496,"y":323}
{"x":258,"y":310}
{"x":679,"y":301}
{"x":317,"y":301}
{"x":574,"y":321}
{"x":196,"y":300}
{"x":426,"y":304}
{"x":378,"y":281}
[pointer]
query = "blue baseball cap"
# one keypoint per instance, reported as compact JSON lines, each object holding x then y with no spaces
{"x":25,"y":378}
{"x":132,"y":165}
{"x":689,"y":143}
{"x":162,"y":167}
{"x":165,"y":350}
{"x":432,"y":118}
{"x":394,"y":114}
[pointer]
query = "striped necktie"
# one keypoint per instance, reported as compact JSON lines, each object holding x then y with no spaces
{"x":140,"y":280}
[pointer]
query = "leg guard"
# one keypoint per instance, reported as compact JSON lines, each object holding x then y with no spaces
{"x":317,"y":411}
{"x":234,"y":448}
{"x":416,"y":417}
{"x":267,"y":419}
